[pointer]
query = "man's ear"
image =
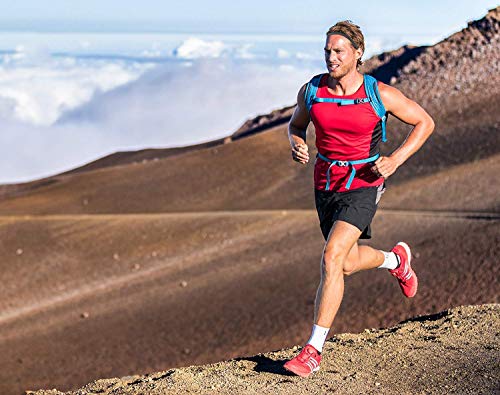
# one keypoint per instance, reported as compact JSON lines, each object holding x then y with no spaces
{"x":359,"y":53}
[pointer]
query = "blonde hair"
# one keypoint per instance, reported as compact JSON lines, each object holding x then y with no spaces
{"x":352,"y":32}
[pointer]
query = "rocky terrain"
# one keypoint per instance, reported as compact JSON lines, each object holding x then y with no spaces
{"x":460,"y":65}
{"x":456,"y":351}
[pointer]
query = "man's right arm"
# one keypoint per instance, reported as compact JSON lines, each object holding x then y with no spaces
{"x":297,"y":129}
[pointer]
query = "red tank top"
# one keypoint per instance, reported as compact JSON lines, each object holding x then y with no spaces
{"x":349,"y":132}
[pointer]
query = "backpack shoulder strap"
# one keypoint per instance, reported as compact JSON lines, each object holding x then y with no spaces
{"x":311,"y":89}
{"x":371,"y":90}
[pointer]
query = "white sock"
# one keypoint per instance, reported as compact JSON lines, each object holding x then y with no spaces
{"x":318,"y":337}
{"x":391,"y":260}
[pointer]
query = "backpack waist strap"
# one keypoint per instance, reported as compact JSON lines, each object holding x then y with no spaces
{"x":344,"y":163}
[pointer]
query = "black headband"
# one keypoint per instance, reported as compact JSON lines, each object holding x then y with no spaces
{"x":356,"y":46}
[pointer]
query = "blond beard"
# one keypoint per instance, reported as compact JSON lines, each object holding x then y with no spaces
{"x":349,"y":70}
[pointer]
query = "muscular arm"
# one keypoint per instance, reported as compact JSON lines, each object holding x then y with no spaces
{"x":297,"y":129}
{"x":411,"y":113}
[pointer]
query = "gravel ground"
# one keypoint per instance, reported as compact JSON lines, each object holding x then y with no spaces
{"x":455,"y":351}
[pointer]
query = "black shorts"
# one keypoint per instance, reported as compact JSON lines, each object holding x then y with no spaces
{"x":356,"y":207}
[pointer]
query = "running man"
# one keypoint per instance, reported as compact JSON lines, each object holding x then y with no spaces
{"x":349,"y":175}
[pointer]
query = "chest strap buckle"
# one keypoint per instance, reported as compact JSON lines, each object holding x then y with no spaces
{"x":345,"y":163}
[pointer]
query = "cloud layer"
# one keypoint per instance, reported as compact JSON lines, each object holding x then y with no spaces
{"x":37,"y":88}
{"x":59,"y":114}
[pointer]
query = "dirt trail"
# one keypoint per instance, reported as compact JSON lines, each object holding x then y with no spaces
{"x":455,"y":351}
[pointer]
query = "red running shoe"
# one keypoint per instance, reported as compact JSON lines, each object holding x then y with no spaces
{"x":305,"y":363}
{"x":404,"y":273}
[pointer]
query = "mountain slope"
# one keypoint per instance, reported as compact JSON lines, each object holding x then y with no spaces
{"x":203,"y":181}
{"x":86,"y":297}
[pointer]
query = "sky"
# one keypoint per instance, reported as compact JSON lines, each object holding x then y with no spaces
{"x":83,"y":79}
{"x":426,"y":17}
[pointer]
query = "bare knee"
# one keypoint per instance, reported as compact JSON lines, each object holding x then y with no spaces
{"x":351,"y":263}
{"x":349,"y":267}
{"x":335,"y":262}
{"x":332,"y":263}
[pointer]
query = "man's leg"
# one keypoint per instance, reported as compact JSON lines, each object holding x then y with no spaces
{"x":334,"y":265}
{"x":397,"y":261}
{"x":341,"y":240}
{"x":362,"y":257}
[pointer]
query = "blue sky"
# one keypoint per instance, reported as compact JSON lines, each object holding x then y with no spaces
{"x":425,"y":17}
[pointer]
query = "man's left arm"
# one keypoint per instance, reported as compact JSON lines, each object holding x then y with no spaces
{"x":411,"y":113}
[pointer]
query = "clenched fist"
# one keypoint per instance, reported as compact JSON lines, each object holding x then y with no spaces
{"x":300,"y":153}
{"x":385,"y":166}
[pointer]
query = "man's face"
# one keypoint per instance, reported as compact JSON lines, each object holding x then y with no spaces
{"x":340,"y":56}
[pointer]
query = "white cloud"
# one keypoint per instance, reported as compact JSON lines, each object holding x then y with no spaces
{"x":170,"y":105}
{"x":174,"y":105}
{"x":282,"y":53}
{"x":303,"y":56}
{"x":194,"y":48}
{"x":244,"y":52}
{"x":42,"y":88}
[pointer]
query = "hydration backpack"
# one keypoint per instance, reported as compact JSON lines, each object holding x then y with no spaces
{"x":371,"y":90}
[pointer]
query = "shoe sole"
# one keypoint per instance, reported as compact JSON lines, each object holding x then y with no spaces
{"x":408,"y":253}
{"x":301,"y":374}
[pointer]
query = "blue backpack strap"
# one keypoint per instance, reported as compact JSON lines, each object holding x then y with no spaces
{"x":341,"y":102}
{"x":371,"y":89}
{"x":311,"y":89}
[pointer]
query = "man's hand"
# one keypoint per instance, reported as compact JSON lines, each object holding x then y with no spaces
{"x":385,"y":166}
{"x":300,"y":153}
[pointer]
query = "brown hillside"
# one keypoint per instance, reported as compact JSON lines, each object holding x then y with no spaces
{"x":208,"y":183}
{"x":388,"y":65}
{"x":141,"y":156}
{"x":464,"y":64}
{"x":458,"y":82}
{"x":87,"y":297}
